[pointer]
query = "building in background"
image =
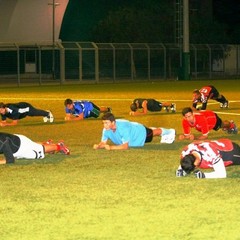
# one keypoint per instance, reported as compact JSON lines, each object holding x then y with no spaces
{"x":30,"y":20}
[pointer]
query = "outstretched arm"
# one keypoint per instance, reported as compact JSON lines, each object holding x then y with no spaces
{"x":70,"y":117}
{"x":110,"y":147}
{"x":100,"y":145}
{"x":7,"y":152}
{"x":5,"y":123}
{"x":141,"y":112}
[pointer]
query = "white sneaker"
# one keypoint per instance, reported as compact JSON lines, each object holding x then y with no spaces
{"x":51,"y":118}
{"x":45,"y":119}
{"x":169,"y":138}
{"x":173,"y":107}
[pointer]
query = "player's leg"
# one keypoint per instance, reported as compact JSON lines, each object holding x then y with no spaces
{"x":97,"y":110}
{"x":219,"y":98}
{"x":46,"y":114}
{"x":229,"y":126}
{"x":167,"y":135}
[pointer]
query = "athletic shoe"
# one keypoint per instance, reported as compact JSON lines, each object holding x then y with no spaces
{"x":45,"y":119}
{"x":233,"y":128}
{"x":169,"y":138}
{"x":50,"y":117}
{"x":63,"y":148}
{"x":224,"y":105}
{"x":173,"y":107}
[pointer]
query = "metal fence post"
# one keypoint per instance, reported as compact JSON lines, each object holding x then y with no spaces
{"x":96,"y":62}
{"x":62,"y":64}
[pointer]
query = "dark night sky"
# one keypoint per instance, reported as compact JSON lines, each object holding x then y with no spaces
{"x":226,"y":12}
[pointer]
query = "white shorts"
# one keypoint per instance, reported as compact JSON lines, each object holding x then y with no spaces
{"x":29,"y":149}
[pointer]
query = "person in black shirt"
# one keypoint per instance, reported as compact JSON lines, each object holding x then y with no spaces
{"x":16,"y":111}
{"x":149,"y":104}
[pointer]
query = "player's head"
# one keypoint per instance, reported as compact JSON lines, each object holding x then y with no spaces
{"x":108,"y":116}
{"x":109,"y":122}
{"x":186,"y":110}
{"x":68,"y":101}
{"x":133,"y":107}
{"x":2,"y":108}
{"x":188,"y":114}
{"x":187,"y":163}
{"x":196,"y":95}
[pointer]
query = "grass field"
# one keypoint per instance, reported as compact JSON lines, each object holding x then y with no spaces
{"x":108,"y":195}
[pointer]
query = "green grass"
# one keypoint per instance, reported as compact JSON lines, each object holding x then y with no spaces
{"x":130,"y":194}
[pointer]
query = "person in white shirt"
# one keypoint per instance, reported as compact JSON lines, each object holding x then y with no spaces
{"x":215,"y":154}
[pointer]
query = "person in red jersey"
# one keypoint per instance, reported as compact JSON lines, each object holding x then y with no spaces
{"x":216,"y":154}
{"x":204,"y":94}
{"x":204,"y":121}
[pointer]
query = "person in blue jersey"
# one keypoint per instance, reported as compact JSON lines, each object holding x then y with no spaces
{"x":17,"y":111}
{"x":81,"y":109}
{"x":125,"y":134}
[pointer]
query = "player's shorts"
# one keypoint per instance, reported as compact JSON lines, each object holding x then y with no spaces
{"x":29,"y":149}
{"x":149,"y":135}
{"x":218,"y":124}
{"x":95,"y":112}
{"x":233,"y":155}
{"x":214,"y":92}
{"x":154,"y":106}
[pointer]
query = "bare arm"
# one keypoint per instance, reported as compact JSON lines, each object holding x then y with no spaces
{"x":100,"y":145}
{"x":143,"y":112}
{"x":189,"y":136}
{"x":110,"y":147}
{"x":3,"y":161}
{"x":5,"y":123}
{"x":70,"y":117}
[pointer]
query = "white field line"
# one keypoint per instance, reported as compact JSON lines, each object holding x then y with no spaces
{"x":100,"y":99}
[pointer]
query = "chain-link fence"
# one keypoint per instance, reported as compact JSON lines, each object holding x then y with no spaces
{"x":109,"y":62}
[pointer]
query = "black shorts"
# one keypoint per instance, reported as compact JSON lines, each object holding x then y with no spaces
{"x":214,"y":92}
{"x":233,"y":155}
{"x":149,"y":135}
{"x":95,"y":111}
{"x":218,"y":124}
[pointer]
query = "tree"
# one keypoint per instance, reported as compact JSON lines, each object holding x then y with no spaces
{"x":133,"y":24}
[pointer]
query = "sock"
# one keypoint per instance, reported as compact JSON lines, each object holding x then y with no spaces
{"x":58,"y":147}
{"x":165,"y":131}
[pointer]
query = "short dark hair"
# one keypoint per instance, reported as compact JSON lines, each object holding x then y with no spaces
{"x":196,"y":91}
{"x":68,"y":101}
{"x":186,"y":110}
{"x":133,"y":107}
{"x":187,"y":163}
{"x":108,"y":116}
{"x":2,"y":105}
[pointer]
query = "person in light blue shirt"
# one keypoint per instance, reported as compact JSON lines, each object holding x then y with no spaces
{"x":80,"y":109}
{"x":125,"y":134}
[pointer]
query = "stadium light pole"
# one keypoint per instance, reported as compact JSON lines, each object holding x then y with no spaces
{"x":185,"y":69}
{"x":54,"y":4}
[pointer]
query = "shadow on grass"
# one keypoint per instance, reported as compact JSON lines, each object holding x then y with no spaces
{"x":49,"y":159}
{"x":163,"y":146}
